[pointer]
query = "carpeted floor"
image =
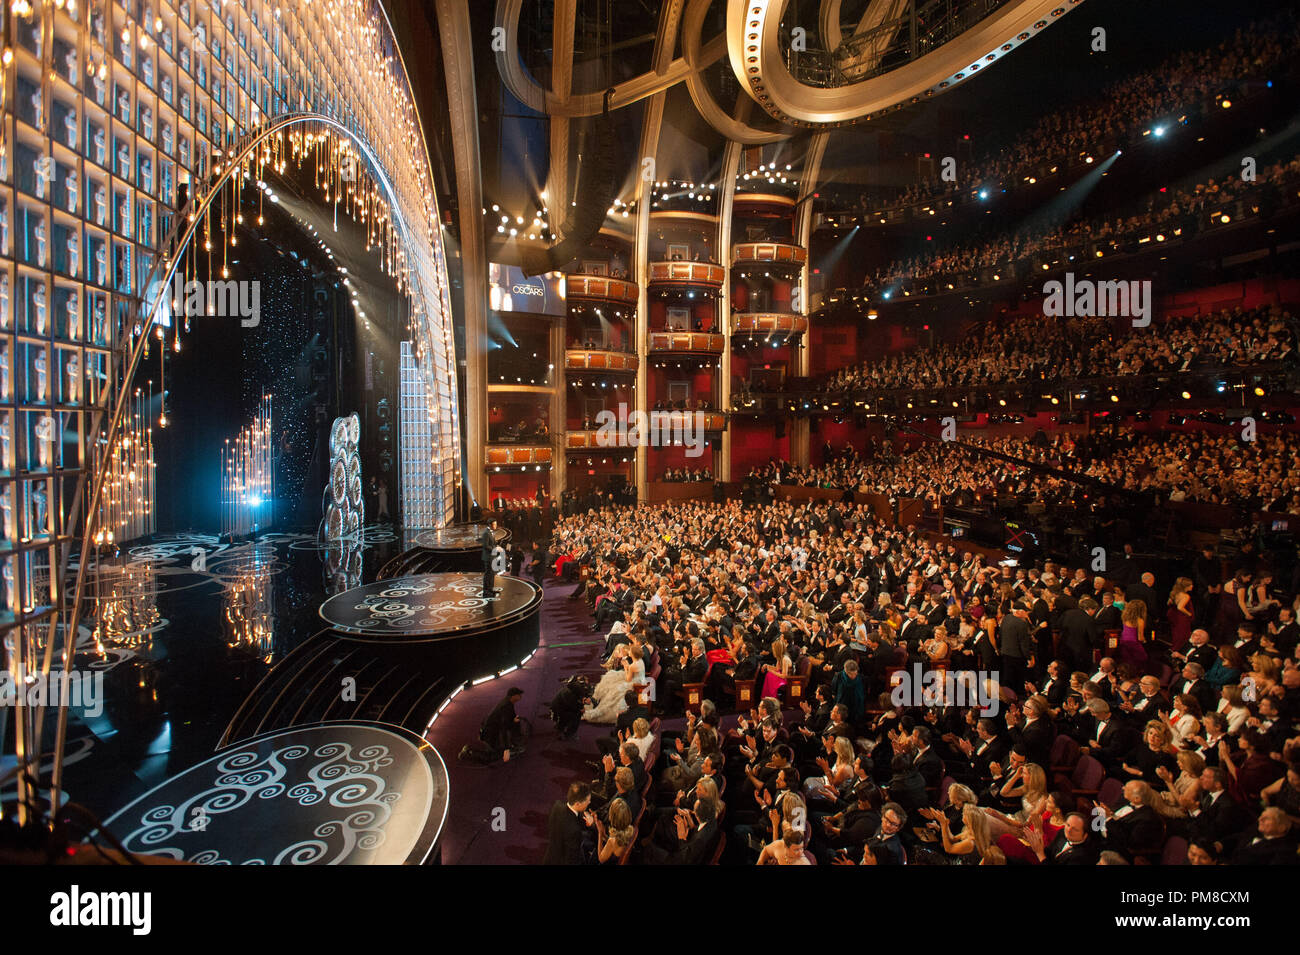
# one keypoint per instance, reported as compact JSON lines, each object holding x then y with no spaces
{"x":498,"y":813}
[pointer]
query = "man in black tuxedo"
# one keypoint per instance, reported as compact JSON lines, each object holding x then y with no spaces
{"x":1143,"y":589}
{"x":688,"y":670}
{"x":488,"y":542}
{"x":1272,"y":842}
{"x":1074,"y":844}
{"x":620,"y":783}
{"x":915,"y":628}
{"x":907,"y":788}
{"x":1133,"y":828}
{"x":924,"y":759}
{"x":1032,"y":728}
{"x":1148,"y":703}
{"x":1199,"y":650}
{"x":566,"y":827}
{"x":1040,"y":615}
{"x":1108,"y":740}
{"x":1286,"y":632}
{"x":1219,"y":815}
{"x":1080,"y":634}
{"x":988,"y":747}
{"x":696,"y":834}
{"x":1017,"y":643}
{"x":629,"y":758}
{"x":1108,"y":615}
{"x":1191,"y":684}
{"x":1056,"y":684}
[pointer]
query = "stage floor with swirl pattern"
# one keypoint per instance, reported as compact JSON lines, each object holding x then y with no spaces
{"x":429,"y":607}
{"x":327,"y":794}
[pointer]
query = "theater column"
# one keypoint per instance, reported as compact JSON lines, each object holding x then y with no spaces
{"x":800,"y":433}
{"x":558,"y":412}
{"x":726,"y":203}
{"x":458,"y":44}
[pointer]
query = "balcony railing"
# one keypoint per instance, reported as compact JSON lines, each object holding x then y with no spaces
{"x":517,"y":455}
{"x":681,"y":343}
{"x":780,"y":252}
{"x":706,"y":274}
{"x":657,"y":423}
{"x":601,"y":287}
{"x":599,"y":359}
{"x":768,"y":323}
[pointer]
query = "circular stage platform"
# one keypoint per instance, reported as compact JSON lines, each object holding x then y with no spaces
{"x":325,"y":794}
{"x":430,"y":607}
{"x":457,"y":538}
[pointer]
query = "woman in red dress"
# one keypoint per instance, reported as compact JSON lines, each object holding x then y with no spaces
{"x":1181,"y":615}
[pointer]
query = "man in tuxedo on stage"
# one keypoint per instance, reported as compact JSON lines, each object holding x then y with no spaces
{"x":488,"y":540}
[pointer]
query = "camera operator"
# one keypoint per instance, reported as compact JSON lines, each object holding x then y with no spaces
{"x":501,"y":733}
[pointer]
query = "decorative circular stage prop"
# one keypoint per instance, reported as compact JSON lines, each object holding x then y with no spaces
{"x":324,"y":794}
{"x":338,"y":482}
{"x":345,"y":510}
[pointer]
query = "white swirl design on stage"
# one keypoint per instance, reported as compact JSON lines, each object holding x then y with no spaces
{"x":453,"y":600}
{"x":329,"y":801}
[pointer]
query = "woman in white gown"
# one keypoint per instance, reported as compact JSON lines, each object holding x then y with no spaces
{"x":607,"y":698}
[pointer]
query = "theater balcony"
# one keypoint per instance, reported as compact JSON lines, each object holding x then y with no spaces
{"x":687,"y":343}
{"x":661,"y":422}
{"x":579,"y":360}
{"x":769,"y":253}
{"x":518,"y":456}
{"x":708,"y":276}
{"x":601,"y":288}
{"x":762,"y":204}
{"x":582,"y":440}
{"x":782,"y":325}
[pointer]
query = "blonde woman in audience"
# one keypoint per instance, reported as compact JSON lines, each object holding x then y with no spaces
{"x":969,"y":846}
{"x":827,"y":787}
{"x":614,"y":842}
{"x":1184,"y":789}
{"x":641,"y":735}
{"x":1029,"y":784}
{"x":1266,"y":673}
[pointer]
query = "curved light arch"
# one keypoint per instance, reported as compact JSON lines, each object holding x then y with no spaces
{"x":754,"y":47}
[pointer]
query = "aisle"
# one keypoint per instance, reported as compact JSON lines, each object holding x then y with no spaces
{"x":498,"y":813}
